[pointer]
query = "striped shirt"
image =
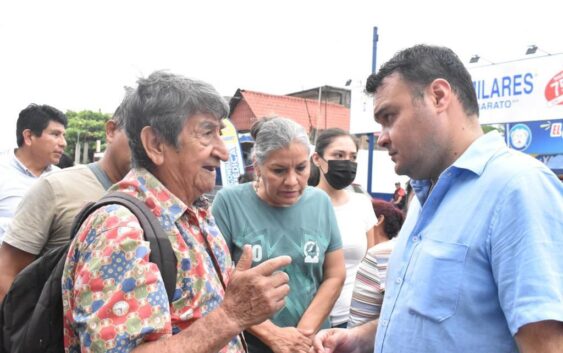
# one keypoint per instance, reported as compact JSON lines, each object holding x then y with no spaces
{"x":369,"y":287}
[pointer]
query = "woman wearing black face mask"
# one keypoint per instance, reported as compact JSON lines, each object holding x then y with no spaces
{"x":335,"y":161}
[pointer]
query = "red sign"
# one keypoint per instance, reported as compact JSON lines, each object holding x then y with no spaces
{"x":554,"y":89}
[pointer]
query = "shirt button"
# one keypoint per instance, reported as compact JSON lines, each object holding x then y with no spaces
{"x":383,"y":323}
{"x":399,"y":280}
{"x":415,"y":239}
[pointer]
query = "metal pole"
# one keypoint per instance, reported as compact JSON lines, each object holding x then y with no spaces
{"x":374,"y":52}
{"x":318,"y":116}
{"x":371,"y":136}
{"x":77,"y":149}
{"x":506,"y":134}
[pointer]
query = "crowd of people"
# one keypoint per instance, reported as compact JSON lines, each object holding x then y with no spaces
{"x":291,"y":260}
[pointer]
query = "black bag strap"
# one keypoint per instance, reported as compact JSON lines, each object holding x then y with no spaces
{"x":161,"y":254}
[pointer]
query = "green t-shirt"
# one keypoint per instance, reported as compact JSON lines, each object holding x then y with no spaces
{"x":305,"y":231}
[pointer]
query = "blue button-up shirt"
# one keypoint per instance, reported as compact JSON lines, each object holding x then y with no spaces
{"x":479,"y":256}
{"x":15,"y":180}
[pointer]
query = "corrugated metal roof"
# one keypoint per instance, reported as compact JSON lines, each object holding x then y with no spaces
{"x":248,"y":106}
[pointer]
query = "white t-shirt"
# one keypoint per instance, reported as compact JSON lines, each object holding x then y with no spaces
{"x":355,"y":218}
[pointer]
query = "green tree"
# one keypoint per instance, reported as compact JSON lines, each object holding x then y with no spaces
{"x":85,"y":126}
{"x":490,"y":127}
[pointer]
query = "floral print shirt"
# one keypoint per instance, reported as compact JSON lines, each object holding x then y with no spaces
{"x":114,"y":298}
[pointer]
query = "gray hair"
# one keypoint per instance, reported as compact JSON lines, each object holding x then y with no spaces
{"x":165,"y":101}
{"x":276,"y":133}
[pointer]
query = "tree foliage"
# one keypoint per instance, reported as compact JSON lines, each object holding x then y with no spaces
{"x":86,"y":126}
{"x":491,"y":127}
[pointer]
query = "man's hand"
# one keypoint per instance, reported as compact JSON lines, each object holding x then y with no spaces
{"x":359,"y":339}
{"x":255,"y":294}
{"x":290,"y":340}
{"x":334,"y":340}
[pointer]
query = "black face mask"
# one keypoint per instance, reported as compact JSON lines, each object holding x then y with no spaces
{"x":341,"y":173}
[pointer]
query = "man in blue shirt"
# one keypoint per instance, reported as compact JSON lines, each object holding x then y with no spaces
{"x":40,"y":133}
{"x":478,"y":265}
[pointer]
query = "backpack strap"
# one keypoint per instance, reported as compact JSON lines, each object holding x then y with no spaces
{"x":31,"y":314}
{"x":161,"y":253}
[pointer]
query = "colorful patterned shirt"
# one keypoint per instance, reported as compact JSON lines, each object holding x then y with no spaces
{"x":114,"y":298}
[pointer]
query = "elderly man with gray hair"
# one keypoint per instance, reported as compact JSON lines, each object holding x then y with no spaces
{"x":114,"y":297}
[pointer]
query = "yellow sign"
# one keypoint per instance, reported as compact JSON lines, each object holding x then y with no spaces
{"x":234,"y":166}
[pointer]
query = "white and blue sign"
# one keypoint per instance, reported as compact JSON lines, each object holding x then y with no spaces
{"x":536,"y":137}
{"x":523,"y":90}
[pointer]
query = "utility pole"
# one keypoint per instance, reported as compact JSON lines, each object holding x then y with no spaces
{"x":77,"y":149}
{"x":371,"y":137}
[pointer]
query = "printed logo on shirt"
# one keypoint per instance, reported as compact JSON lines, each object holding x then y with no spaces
{"x":311,"y":252}
{"x":257,"y":253}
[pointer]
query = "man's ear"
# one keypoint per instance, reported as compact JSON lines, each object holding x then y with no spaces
{"x":27,"y":134}
{"x":153,"y":145}
{"x":111,"y":128}
{"x":440,"y":94}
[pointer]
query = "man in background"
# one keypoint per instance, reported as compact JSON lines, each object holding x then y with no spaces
{"x":40,"y":133}
{"x":45,"y":215}
{"x":399,"y":196}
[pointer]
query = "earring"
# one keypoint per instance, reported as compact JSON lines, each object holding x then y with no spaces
{"x":256,"y":183}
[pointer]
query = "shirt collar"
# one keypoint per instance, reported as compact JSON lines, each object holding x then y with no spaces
{"x":147,"y":186}
{"x":474,"y":159}
{"x":480,"y":152}
{"x":18,"y":164}
{"x":149,"y":189}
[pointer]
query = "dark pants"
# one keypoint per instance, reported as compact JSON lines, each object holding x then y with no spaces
{"x":255,"y":345}
{"x":342,"y":325}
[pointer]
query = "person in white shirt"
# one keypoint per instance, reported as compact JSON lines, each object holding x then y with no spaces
{"x":40,"y":133}
{"x":335,"y":157}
